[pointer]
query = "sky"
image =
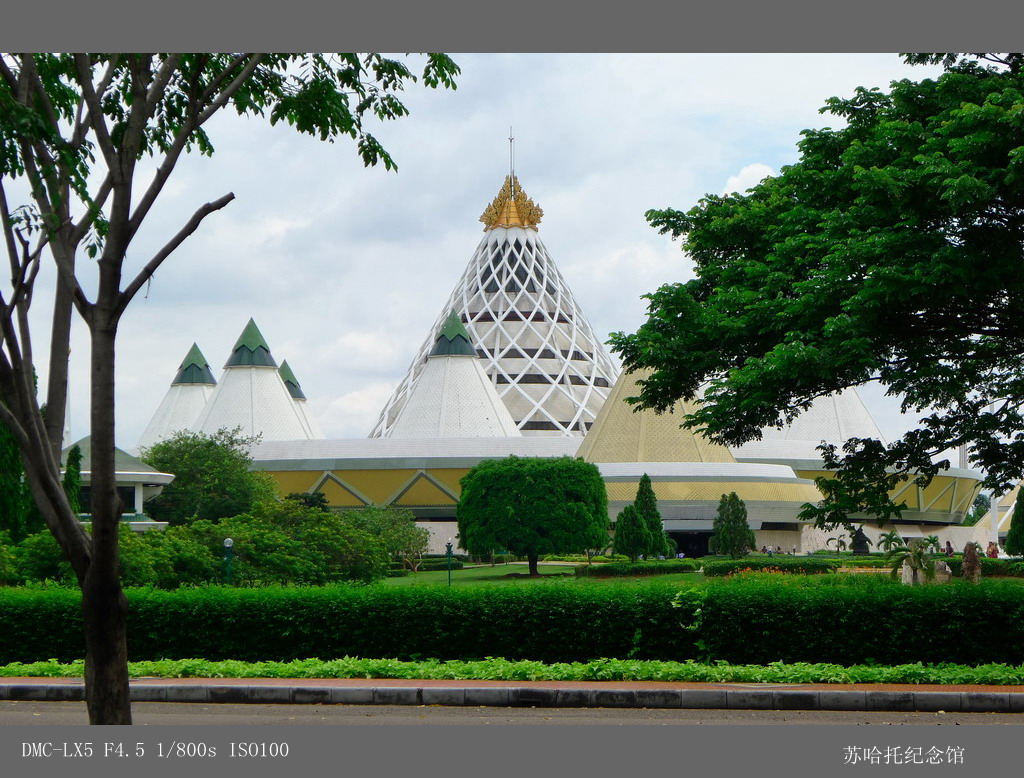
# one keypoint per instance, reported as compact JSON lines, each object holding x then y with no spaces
{"x":345,"y":268}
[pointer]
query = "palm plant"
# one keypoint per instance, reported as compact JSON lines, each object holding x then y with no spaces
{"x":932,"y":542}
{"x":890,"y":540}
{"x":916,"y":557}
{"x":840,"y":543}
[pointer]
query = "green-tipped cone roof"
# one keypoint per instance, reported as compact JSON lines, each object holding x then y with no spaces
{"x":453,"y":339}
{"x":194,"y":369}
{"x":291,"y":382}
{"x":251,"y":349}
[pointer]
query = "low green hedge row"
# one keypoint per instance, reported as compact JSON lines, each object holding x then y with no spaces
{"x":661,"y":567}
{"x":1013,"y":568}
{"x":742,"y":621}
{"x":556,"y":621}
{"x":439,"y":564}
{"x":783,"y":564}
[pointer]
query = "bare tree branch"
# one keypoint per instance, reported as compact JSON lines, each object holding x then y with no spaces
{"x":192,"y":122}
{"x":151,"y":267}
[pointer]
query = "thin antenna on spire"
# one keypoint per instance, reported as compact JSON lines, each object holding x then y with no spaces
{"x":511,"y":159}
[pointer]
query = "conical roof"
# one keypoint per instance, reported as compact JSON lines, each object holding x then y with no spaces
{"x":452,"y":397}
{"x":539,"y":350}
{"x":194,"y":369}
{"x":834,"y":418}
{"x":252,"y":395}
{"x":291,"y":382}
{"x":298,"y":396}
{"x":622,"y":434}
{"x":453,"y":338}
{"x":251,"y":349}
{"x":184,"y":401}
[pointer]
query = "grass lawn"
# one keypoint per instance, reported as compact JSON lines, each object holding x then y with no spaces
{"x":518,"y":573}
{"x":512,"y":573}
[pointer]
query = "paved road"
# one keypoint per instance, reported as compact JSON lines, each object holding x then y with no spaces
{"x":28,"y":713}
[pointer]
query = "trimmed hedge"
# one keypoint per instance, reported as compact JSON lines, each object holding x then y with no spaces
{"x":879,"y":621}
{"x":781,"y":564}
{"x":661,"y":567}
{"x":556,"y":621}
{"x":439,"y":564}
{"x":742,"y":621}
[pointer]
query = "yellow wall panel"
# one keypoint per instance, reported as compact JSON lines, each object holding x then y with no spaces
{"x":449,"y":478}
{"x":295,"y":481}
{"x":423,"y":492}
{"x":378,"y":485}
{"x":340,"y":497}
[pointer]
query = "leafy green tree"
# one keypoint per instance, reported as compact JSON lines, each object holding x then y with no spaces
{"x":39,"y":558}
{"x":730,"y":533}
{"x":890,"y":252}
{"x":8,"y":560}
{"x":632,"y":535}
{"x":72,"y":482}
{"x":646,"y":504}
{"x":310,"y":499}
{"x":14,"y":506}
{"x":532,"y":506}
{"x":288,"y":543}
{"x":92,"y":139}
{"x":212,"y":477}
{"x":979,"y":508}
{"x":397,"y":531}
{"x":1014,"y":544}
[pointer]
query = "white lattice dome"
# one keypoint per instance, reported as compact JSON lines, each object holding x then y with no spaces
{"x":538,"y":348}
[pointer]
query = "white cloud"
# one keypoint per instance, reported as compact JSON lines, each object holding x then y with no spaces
{"x":747,"y":178}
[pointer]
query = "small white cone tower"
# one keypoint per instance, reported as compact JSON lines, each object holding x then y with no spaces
{"x":538,"y":349}
{"x":453,"y":398}
{"x":299,"y":397}
{"x":252,"y":395}
{"x":188,"y":394}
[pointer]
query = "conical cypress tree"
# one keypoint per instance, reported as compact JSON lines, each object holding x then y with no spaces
{"x":632,"y":537}
{"x":1015,"y":537}
{"x":731,"y":535}
{"x":646,"y":505}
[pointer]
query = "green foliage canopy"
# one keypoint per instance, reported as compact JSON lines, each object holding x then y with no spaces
{"x":730,"y":534}
{"x":647,"y":506}
{"x":212,"y":479}
{"x":532,"y":506}
{"x":890,"y":252}
{"x":396,"y":529}
{"x":632,"y":536}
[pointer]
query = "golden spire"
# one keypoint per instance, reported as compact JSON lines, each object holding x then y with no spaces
{"x":511,"y":208}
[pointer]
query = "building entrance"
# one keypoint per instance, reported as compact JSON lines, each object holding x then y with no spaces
{"x":693,"y":544}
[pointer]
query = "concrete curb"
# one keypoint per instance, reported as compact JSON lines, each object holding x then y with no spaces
{"x":744,"y":698}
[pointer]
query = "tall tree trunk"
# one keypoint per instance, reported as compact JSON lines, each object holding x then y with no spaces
{"x":104,"y":607}
{"x":532,"y":557}
{"x":60,"y":350}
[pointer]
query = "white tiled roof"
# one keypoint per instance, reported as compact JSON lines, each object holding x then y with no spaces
{"x":834,"y":419}
{"x":179,"y":410}
{"x":453,"y":398}
{"x":411,"y":450}
{"x":255,"y":399}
